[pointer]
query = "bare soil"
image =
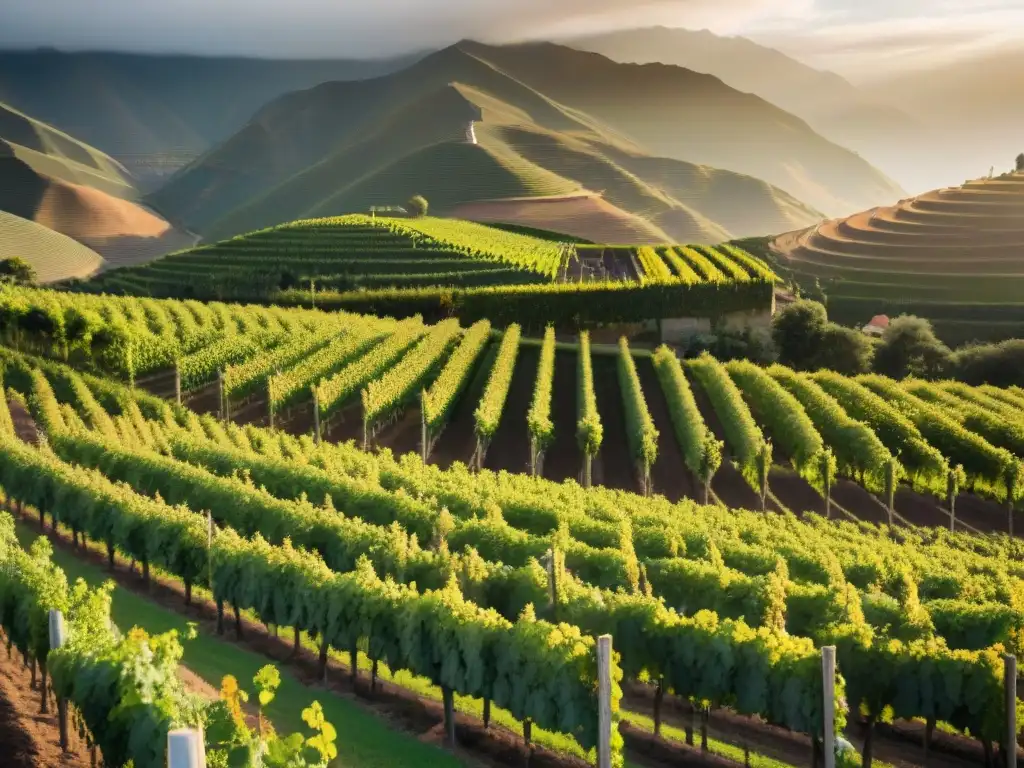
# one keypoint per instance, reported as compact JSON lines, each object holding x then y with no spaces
{"x":563,"y":459}
{"x":669,"y":475}
{"x":614,"y":466}
{"x":511,"y":446}
{"x":29,"y":739}
{"x":458,"y":441}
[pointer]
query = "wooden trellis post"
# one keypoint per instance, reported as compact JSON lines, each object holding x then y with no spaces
{"x":316,"y":416}
{"x":177,"y":382}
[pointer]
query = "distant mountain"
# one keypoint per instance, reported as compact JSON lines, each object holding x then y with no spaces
{"x":130,"y":104}
{"x":856,"y":118}
{"x":973,"y":108}
{"x":546,"y":120}
{"x":65,"y":185}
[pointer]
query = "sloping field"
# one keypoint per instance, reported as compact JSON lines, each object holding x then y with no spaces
{"x":586,"y":215}
{"x":53,"y":255}
{"x":946,"y":254}
{"x":75,"y":190}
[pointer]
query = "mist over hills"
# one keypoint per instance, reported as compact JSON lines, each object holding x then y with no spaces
{"x":127,"y":104}
{"x":683,"y":151}
{"x":898,"y":123}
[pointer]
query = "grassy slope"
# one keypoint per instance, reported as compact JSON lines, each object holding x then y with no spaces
{"x":384,"y":145}
{"x":53,"y":255}
{"x":364,"y":741}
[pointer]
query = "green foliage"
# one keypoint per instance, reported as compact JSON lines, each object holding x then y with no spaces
{"x":910,"y":348}
{"x":857,"y":450}
{"x":417,"y":205}
{"x":783,"y":416}
{"x":16,"y":270}
{"x":640,"y":430}
{"x":488,"y":413}
{"x":687,"y":421}
{"x":589,"y":431}
{"x":439,"y":400}
{"x":743,"y":437}
{"x":538,"y":418}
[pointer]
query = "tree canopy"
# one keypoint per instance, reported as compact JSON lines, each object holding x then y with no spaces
{"x":17,"y":270}
{"x":417,"y":205}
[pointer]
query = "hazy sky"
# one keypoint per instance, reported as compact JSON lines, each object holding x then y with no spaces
{"x":858,"y":38}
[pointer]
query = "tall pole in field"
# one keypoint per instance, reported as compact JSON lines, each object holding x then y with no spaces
{"x":604,"y":701}
{"x":185,"y":749}
{"x":220,"y":395}
{"x":316,"y":415}
{"x":59,"y":636}
{"x":177,"y":382}
{"x":1010,"y":685}
{"x":828,"y":679}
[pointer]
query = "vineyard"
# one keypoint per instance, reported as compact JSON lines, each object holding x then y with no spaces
{"x":435,"y":267}
{"x":392,"y":469}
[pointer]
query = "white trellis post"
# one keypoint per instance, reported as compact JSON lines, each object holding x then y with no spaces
{"x":604,"y":701}
{"x":828,"y":679}
{"x":185,"y":749}
{"x":1010,"y":684}
{"x":59,"y":636}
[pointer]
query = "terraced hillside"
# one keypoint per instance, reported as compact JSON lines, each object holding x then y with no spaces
{"x":437,"y":267}
{"x":73,"y":189}
{"x":955,"y":255}
{"x":459,"y":128}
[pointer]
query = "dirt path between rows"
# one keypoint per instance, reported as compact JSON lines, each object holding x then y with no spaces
{"x":29,"y":739}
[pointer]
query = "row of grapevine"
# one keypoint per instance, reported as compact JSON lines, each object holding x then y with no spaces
{"x":652,"y":266}
{"x":589,"y":430}
{"x":859,"y":452}
{"x":442,"y":395}
{"x":742,"y":435}
{"x":250,"y":376}
{"x":293,"y":385}
{"x":640,"y":430}
{"x":1002,"y":428}
{"x":538,"y":418}
{"x":384,"y":397}
{"x":202,"y":366}
{"x":782,"y":415}
{"x":925,"y":466}
{"x":987,"y":465}
{"x":487,"y":415}
{"x":681,"y":269}
{"x":702,"y":452}
{"x":696,"y":683}
{"x":336,"y":392}
{"x":702,"y":265}
{"x":727,"y":266}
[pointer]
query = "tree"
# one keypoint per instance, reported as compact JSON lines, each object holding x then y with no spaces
{"x":417,"y":205}
{"x":910,"y":348}
{"x":844,"y":350}
{"x":1020,"y":162}
{"x":17,"y":270}
{"x":798,"y":331}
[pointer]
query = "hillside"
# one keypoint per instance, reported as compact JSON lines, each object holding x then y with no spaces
{"x":854,"y":117}
{"x":53,"y":255}
{"x":955,"y":255}
{"x":682,"y":114}
{"x":458,"y":129}
{"x":130,"y":104}
{"x":67,"y":186}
